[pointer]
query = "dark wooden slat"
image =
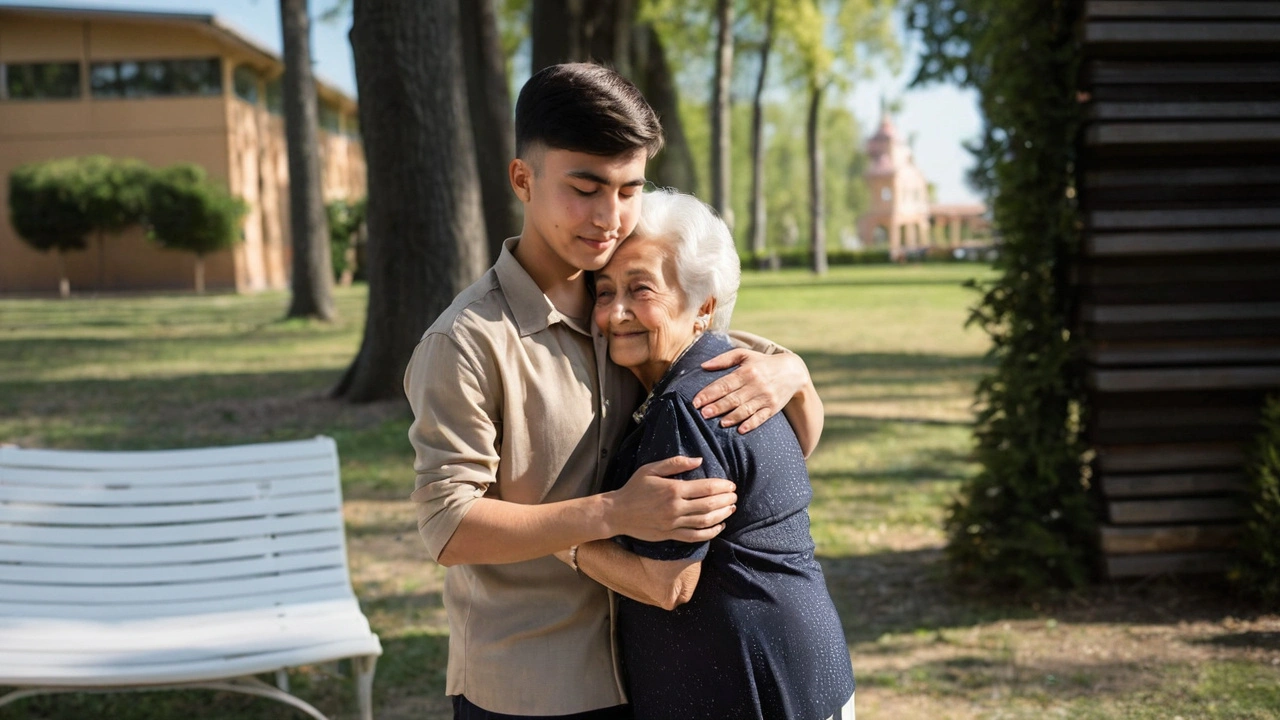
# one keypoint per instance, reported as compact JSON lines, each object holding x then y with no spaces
{"x":1170,"y":457}
{"x":1171,"y":484}
{"x":1145,"y":72}
{"x":1128,"y":566}
{"x":1167,"y":538}
{"x":1138,"y":33}
{"x":1169,"y":133}
{"x":1182,"y":312}
{"x":1184,"y":110}
{"x":1194,"y":218}
{"x":1150,"y":417}
{"x":1208,"y":355}
{"x":1173,"y":379}
{"x":1230,"y":9}
{"x":1190,"y":176}
{"x":1175,"y":242}
{"x":1136,"y":512}
{"x":1179,"y":272}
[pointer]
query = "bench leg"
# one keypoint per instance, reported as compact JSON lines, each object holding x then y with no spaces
{"x":364,"y":667}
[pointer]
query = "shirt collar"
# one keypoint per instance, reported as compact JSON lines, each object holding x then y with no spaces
{"x":530,"y":306}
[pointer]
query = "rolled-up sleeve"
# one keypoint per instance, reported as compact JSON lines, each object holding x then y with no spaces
{"x":454,"y":435}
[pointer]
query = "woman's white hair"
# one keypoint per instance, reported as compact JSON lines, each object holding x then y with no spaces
{"x":707,"y":264}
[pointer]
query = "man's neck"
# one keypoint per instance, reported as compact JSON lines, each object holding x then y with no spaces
{"x":564,"y":285}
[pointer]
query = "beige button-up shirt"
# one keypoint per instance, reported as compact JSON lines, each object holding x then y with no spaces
{"x":515,"y":401}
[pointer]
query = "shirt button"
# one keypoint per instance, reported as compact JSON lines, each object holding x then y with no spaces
{"x":604,"y":453}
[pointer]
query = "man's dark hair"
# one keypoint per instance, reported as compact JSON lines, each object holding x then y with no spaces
{"x":585,"y":108}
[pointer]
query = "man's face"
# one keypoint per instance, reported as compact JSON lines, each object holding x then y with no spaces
{"x":580,"y":205}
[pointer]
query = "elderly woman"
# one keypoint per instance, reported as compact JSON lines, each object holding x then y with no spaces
{"x":741,"y":626}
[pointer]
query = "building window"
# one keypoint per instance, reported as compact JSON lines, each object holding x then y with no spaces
{"x":246,"y":81}
{"x":275,"y":96}
{"x":40,"y":81}
{"x":156,"y":78}
{"x":886,"y":194}
{"x":329,"y":118}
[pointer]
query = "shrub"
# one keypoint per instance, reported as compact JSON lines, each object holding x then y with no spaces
{"x":345,"y":219}
{"x":48,"y":210}
{"x":1257,"y":571}
{"x":187,"y":211}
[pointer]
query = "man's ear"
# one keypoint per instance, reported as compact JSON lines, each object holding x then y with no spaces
{"x":521,"y":175}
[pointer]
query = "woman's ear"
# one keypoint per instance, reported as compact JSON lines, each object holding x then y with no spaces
{"x":521,"y":176}
{"x":705,"y":312}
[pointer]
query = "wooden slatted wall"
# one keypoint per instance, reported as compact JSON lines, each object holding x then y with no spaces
{"x":1180,"y":276}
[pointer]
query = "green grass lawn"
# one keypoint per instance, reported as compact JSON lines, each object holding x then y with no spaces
{"x":896,"y":368}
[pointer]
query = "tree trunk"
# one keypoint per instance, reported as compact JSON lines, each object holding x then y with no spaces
{"x":489,"y":97}
{"x":102,"y":261}
{"x":817,"y":220}
{"x":556,"y":32}
{"x":312,"y":267}
{"x":720,"y":120}
{"x":758,"y":215}
{"x":673,"y":166}
{"x":605,"y":31}
{"x":64,"y":283}
{"x":424,"y":209}
{"x":199,"y":274}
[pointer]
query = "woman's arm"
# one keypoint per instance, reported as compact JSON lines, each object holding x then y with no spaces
{"x":667,"y":584}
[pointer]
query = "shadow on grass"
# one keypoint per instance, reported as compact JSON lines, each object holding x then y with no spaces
{"x":1258,"y":639}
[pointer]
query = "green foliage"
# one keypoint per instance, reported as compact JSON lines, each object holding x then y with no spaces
{"x":1025,"y":521}
{"x":46,"y":206}
{"x":187,"y":211}
{"x":345,"y":219}
{"x":1257,"y":572}
{"x":114,"y":191}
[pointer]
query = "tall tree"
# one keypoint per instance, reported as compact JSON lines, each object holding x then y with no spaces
{"x":720,"y":116}
{"x":425,"y":223}
{"x":312,"y":282}
{"x":758,"y":216}
{"x":489,"y":97}
{"x":623,"y":35}
{"x":832,"y":43}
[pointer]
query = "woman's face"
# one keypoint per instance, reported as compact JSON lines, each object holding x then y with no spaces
{"x":642,"y":310}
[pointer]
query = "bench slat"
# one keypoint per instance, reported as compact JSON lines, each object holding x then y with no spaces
{"x":229,"y":666}
{"x":282,"y":600}
{"x":100,"y":496}
{"x":89,"y":460}
{"x":196,"y":476}
{"x":262,"y":587}
{"x":84,"y":580}
{"x":194,"y":552}
{"x":148,"y":515}
{"x":126,"y":537}
{"x":90,"y":643}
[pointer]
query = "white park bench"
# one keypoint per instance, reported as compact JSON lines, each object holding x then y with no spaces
{"x":176,"y":569}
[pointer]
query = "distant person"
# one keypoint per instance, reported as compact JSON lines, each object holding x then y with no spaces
{"x":518,"y":410}
{"x":740,"y":625}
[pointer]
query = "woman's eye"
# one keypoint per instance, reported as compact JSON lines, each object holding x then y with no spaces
{"x":602,"y":295}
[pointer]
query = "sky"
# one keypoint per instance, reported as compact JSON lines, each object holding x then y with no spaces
{"x":937,"y":119}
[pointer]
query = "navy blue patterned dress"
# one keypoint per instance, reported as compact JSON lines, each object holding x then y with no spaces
{"x":760,"y":638}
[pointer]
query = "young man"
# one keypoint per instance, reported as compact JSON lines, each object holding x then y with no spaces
{"x":517,"y":410}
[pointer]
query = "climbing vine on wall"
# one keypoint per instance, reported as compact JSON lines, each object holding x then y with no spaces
{"x":1024,"y":521}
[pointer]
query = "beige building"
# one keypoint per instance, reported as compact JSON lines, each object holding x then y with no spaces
{"x":163,"y":88}
{"x":901,"y":215}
